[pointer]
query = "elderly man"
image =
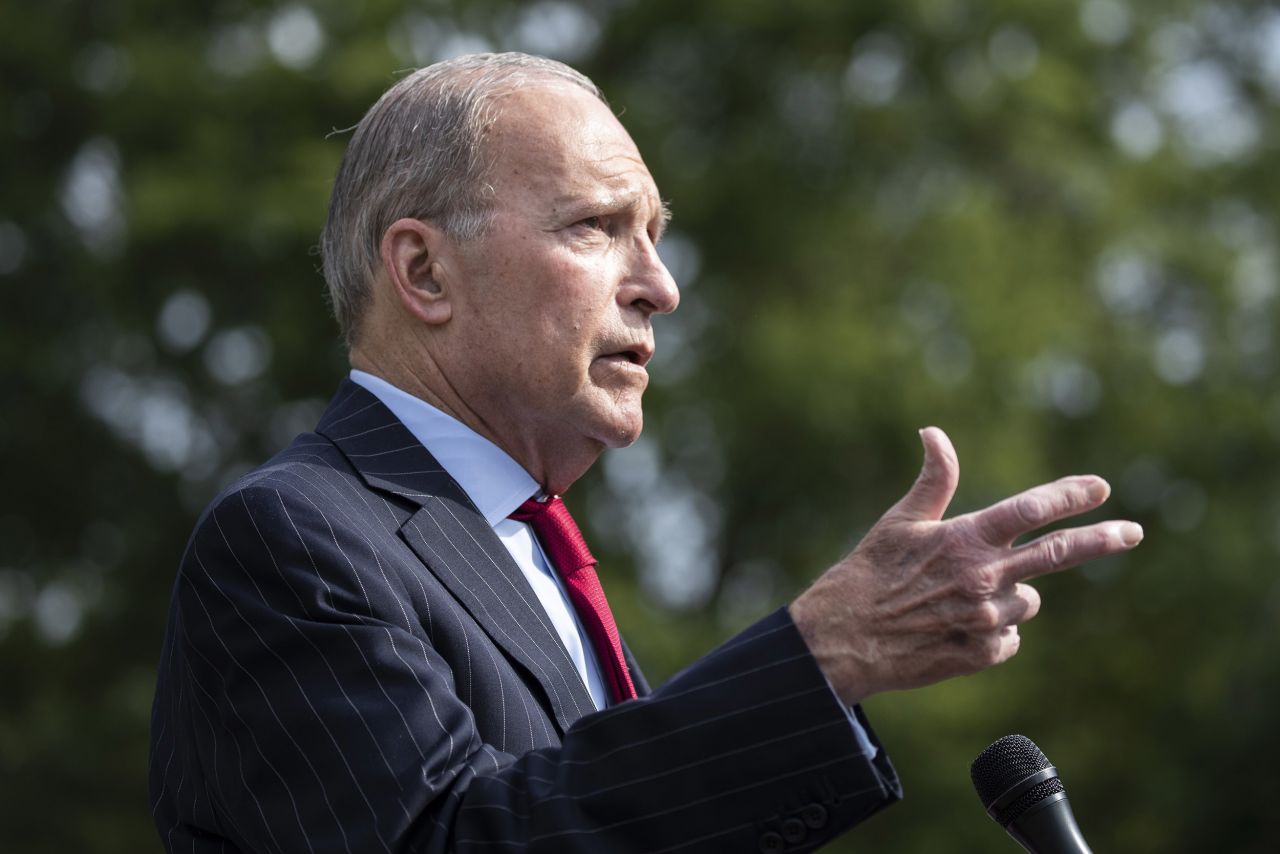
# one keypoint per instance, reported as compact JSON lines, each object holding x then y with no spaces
{"x":391,"y":637}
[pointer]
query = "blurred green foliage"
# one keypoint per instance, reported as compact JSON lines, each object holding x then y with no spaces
{"x":1048,"y":227}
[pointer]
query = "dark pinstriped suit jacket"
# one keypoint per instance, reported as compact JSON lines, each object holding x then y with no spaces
{"x":354,"y":663}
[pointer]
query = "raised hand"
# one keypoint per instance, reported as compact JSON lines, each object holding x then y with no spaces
{"x":922,"y":599}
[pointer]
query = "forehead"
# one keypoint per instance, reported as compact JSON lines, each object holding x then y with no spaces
{"x":560,"y":143}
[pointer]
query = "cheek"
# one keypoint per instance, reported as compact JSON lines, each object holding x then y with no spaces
{"x":572,"y":332}
{"x":559,"y":311}
{"x":551,"y":360}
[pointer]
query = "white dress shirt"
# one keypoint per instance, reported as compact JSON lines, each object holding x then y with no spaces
{"x":497,"y":485}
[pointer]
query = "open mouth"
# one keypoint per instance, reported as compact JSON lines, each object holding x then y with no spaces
{"x":637,"y":354}
{"x":638,"y":357}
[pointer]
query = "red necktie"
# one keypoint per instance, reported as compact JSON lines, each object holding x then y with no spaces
{"x":572,"y":559}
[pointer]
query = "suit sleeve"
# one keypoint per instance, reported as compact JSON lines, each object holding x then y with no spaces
{"x":321,"y":722}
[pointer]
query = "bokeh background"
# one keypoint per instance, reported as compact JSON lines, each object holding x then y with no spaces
{"x":1049,"y":227}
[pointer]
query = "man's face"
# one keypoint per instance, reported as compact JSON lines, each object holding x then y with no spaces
{"x":555,"y":300}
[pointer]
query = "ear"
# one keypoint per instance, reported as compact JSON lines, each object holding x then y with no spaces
{"x":411,"y":257}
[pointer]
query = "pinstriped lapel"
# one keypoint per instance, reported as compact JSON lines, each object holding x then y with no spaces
{"x":448,"y":536}
{"x":456,"y":544}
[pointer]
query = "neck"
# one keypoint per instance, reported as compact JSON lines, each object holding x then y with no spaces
{"x":419,"y":377}
{"x":414,"y":371}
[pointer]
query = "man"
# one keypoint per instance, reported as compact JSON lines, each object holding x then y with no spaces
{"x":391,"y":637}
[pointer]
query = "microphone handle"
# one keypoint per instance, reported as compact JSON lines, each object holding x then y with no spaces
{"x":1049,"y":828}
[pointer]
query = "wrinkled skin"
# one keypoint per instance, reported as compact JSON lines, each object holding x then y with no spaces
{"x":922,"y":599}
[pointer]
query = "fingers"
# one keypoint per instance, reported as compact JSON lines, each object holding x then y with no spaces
{"x":986,"y":616}
{"x":929,"y":496}
{"x":1070,"y":547}
{"x":993,"y":634}
{"x":1020,"y":604}
{"x":1002,"y":523}
{"x":1009,"y":644}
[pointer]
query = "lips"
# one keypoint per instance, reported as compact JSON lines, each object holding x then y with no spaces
{"x":637,"y":354}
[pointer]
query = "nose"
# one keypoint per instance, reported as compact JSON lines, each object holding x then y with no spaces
{"x":650,"y":287}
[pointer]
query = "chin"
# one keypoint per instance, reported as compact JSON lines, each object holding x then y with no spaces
{"x":623,"y":429}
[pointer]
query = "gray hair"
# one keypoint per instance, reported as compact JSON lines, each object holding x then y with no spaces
{"x":419,"y":153}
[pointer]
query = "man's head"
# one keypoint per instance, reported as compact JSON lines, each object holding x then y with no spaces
{"x":420,"y":152}
{"x":529,"y":317}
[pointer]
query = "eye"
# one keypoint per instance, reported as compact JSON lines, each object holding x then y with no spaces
{"x":595,"y":223}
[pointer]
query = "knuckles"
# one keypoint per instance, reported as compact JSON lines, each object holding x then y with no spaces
{"x":1056,"y":550}
{"x":1103,"y":540}
{"x":981,"y":582}
{"x":987,"y":617}
{"x":1031,"y":510}
{"x":1065,"y":497}
{"x":987,"y":650}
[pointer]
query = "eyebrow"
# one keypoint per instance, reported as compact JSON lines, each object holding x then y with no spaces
{"x":576,"y":202}
{"x":664,"y":216}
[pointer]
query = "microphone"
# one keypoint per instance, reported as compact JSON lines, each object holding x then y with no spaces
{"x":1022,"y":792}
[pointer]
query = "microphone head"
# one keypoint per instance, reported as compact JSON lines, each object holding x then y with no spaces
{"x":1007,"y":762}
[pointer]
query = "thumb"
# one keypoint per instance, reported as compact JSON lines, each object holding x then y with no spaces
{"x":929,"y":496}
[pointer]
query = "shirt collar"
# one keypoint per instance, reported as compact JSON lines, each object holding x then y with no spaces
{"x":494,"y":482}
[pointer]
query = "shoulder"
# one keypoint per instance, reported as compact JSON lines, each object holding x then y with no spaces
{"x":302,"y":528}
{"x":310,"y":458}
{"x":310,"y":468}
{"x":305,"y":497}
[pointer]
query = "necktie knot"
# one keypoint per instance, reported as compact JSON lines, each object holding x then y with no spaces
{"x":558,"y":533}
